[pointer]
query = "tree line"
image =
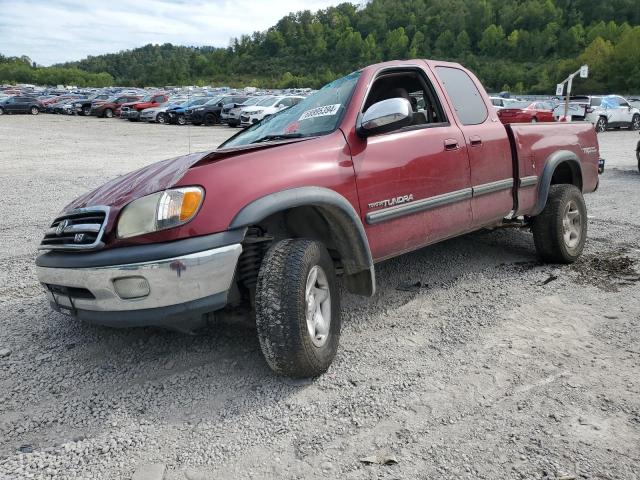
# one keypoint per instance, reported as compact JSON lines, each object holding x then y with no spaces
{"x":525,"y":46}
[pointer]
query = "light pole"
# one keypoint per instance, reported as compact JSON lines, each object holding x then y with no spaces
{"x":584,"y":73}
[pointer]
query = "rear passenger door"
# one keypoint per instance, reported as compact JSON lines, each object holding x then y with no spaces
{"x":487,"y":143}
{"x":623,"y":112}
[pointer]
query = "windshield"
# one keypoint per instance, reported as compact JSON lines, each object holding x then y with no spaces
{"x":317,"y":114}
{"x":266,"y":102}
{"x":213,"y":101}
{"x":251,"y":101}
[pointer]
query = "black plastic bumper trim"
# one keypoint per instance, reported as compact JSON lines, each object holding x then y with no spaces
{"x":140,"y":253}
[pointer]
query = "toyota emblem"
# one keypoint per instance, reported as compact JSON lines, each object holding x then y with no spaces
{"x":61,"y":226}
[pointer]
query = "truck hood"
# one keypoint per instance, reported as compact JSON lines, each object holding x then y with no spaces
{"x":159,"y":176}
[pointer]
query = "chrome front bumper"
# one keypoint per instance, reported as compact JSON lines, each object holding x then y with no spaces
{"x":175,"y":284}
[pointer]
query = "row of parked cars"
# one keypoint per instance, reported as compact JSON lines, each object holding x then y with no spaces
{"x":231,"y":108}
{"x":604,"y":112}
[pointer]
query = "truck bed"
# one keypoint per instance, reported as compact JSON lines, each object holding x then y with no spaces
{"x":533,"y":146}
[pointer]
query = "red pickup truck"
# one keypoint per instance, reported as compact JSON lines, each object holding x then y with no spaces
{"x":386,"y":160}
{"x":131,"y":111}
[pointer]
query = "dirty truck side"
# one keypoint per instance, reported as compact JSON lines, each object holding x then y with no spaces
{"x":381,"y":162}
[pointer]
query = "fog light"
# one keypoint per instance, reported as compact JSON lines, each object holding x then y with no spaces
{"x":131,"y":287}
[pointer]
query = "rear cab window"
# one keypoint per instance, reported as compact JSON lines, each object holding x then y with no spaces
{"x":464,"y":94}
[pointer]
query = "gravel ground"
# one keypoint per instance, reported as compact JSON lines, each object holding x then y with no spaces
{"x":473,"y":360}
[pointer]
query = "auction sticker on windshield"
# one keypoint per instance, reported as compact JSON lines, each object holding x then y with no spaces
{"x":324,"y":111}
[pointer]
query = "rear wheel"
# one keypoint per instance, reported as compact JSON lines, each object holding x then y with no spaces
{"x":161,"y":118}
{"x":108,"y":113}
{"x":635,"y":122}
{"x":601,"y":124}
{"x":1,"y":111}
{"x":34,"y":110}
{"x":210,"y":119}
{"x":298,"y":308}
{"x":560,"y":231}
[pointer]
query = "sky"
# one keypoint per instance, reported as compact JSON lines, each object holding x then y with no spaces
{"x":54,"y":31}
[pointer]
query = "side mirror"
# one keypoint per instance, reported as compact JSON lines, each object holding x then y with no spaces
{"x":385,"y":116}
{"x":220,"y":104}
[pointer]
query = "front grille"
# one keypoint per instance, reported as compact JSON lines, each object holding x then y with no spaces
{"x":80,"y":229}
{"x":244,"y":118}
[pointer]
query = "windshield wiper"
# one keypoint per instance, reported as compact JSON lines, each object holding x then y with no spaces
{"x":281,"y":136}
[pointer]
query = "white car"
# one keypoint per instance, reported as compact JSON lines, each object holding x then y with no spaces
{"x":609,"y":112}
{"x":231,"y":112}
{"x":501,"y":103}
{"x":156,"y":114}
{"x":266,"y":107}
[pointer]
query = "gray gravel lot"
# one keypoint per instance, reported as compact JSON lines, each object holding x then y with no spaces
{"x":473,"y":360}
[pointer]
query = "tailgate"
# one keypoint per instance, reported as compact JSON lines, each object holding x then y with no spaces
{"x":539,"y":148}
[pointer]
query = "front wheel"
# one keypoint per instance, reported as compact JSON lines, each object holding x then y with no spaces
{"x":560,"y":231}
{"x":34,"y":110}
{"x":161,"y":118}
{"x":534,"y":120}
{"x":601,"y":124}
{"x":108,"y":113}
{"x":298,"y":308}
{"x":86,"y":111}
{"x":210,"y":119}
{"x":635,"y":122}
{"x":181,"y":120}
{"x":1,"y":111}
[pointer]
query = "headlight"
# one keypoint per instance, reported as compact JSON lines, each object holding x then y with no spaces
{"x":199,"y":109}
{"x":256,"y":112}
{"x":160,"y":211}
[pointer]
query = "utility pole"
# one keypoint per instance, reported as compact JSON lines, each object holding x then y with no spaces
{"x":584,"y":73}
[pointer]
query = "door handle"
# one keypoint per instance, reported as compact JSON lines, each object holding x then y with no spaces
{"x":451,"y":144}
{"x":475,"y":141}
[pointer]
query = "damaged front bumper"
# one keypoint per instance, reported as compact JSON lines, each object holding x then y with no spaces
{"x":157,"y":291}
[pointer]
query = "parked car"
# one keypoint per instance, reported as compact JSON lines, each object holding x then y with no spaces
{"x":500,"y":102}
{"x":266,"y":108}
{"x":20,"y":104}
{"x":112,"y":106}
{"x":527,"y":112}
{"x":209,"y":113}
{"x":611,"y":111}
{"x":131,"y":111}
{"x":355,"y":174}
{"x":177,"y":115}
{"x":156,"y":114}
{"x":84,"y":106}
{"x":231,"y":112}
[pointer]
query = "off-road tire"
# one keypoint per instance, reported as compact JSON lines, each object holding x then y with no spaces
{"x":108,"y":113}
{"x":548,"y":231}
{"x":601,"y":124}
{"x":281,"y":309}
{"x":34,"y":110}
{"x":635,"y":122}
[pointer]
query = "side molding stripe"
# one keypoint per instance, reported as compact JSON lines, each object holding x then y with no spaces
{"x":418,"y":206}
{"x":492,"y":187}
{"x":529,"y":181}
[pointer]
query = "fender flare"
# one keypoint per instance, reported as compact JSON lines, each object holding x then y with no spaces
{"x":345,"y":222}
{"x":553,"y":161}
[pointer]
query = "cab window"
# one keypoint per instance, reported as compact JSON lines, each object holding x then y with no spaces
{"x":412,"y":85}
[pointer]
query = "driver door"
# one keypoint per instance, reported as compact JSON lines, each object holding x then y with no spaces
{"x":413,"y":183}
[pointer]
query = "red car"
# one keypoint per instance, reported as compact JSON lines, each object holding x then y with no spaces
{"x":381,"y":162}
{"x":112,"y":106}
{"x":527,"y":112}
{"x":131,"y":111}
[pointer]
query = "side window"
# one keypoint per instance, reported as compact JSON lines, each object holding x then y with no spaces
{"x":296,"y":100}
{"x":467,"y":100}
{"x":413,"y":86}
{"x":623,"y":102}
{"x":496,"y":102}
{"x":596,"y":102}
{"x":158,"y":99}
{"x":285,"y":102}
